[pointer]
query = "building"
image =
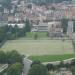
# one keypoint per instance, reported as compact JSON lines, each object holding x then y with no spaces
{"x":55,"y":29}
{"x":20,"y":25}
{"x":42,"y":27}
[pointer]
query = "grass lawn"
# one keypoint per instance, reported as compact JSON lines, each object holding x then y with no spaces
{"x":40,"y":34}
{"x":48,"y":58}
{"x":39,"y":47}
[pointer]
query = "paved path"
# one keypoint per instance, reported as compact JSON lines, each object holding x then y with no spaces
{"x":27,"y":64}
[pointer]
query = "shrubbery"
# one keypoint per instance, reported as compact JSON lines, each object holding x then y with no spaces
{"x":10,"y":57}
{"x":15,"y":69}
{"x":38,"y":69}
{"x":14,"y":60}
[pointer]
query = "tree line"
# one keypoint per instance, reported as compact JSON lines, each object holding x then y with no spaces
{"x":10,"y":57}
{"x":14,"y":61}
{"x":10,"y":32}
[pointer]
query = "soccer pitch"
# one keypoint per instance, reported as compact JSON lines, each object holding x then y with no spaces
{"x":39,"y":47}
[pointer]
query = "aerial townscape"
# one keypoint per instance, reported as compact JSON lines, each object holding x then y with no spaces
{"x":37,"y":37}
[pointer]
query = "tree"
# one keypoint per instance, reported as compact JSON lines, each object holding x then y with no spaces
{"x":21,"y":33}
{"x":2,"y":33}
{"x":16,"y":30}
{"x":73,"y":43}
{"x":10,"y":29}
{"x":15,"y":69}
{"x":35,"y":36}
{"x":13,"y":57}
{"x":27,"y":26}
{"x":64,"y":23}
{"x":35,"y":62}
{"x":2,"y":57}
{"x":61,"y":65}
{"x":74,"y":26}
{"x":73,"y":70}
{"x":38,"y":70}
{"x":68,"y":65}
{"x":50,"y":67}
{"x":73,"y":62}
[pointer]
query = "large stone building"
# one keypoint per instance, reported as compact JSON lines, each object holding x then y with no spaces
{"x":53,"y":28}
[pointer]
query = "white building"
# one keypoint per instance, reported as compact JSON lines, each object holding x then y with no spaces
{"x":42,"y":27}
{"x":20,"y":25}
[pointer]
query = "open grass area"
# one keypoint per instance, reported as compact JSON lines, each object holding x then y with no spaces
{"x":39,"y":34}
{"x":39,"y":47}
{"x":48,"y":58}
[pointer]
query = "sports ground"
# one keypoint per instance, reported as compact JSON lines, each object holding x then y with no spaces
{"x":39,"y":47}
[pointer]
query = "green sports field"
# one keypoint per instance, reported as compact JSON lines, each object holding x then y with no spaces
{"x":48,"y":58}
{"x":39,"y":47}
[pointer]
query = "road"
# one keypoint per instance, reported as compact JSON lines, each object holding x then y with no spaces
{"x":27,"y":64}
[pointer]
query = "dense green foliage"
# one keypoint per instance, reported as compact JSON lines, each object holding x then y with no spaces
{"x":15,"y":32}
{"x":15,"y":69}
{"x":10,"y":57}
{"x":74,"y":26}
{"x":73,"y":67}
{"x":13,"y":57}
{"x":50,"y":67}
{"x":38,"y":70}
{"x":64,"y":25}
{"x":35,"y":36}
{"x":73,"y":70}
{"x":27,"y":26}
{"x":35,"y":63}
{"x":3,"y":58}
{"x":73,"y":43}
{"x":9,"y":32}
{"x":3,"y":33}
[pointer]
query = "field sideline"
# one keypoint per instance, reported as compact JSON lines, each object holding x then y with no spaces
{"x":39,"y":47}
